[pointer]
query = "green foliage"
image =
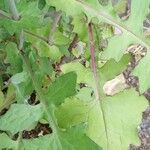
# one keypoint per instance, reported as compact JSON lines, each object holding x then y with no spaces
{"x":73,"y":139}
{"x":131,"y":30}
{"x":118,"y":128}
{"x":68,"y":117}
{"x":47,"y":73}
{"x":27,"y":116}
{"x":6,"y":142}
{"x":13,"y":59}
{"x":61,"y":86}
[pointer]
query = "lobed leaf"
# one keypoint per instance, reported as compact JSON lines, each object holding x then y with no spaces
{"x":20,"y":117}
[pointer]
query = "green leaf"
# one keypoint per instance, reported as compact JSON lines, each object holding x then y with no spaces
{"x":20,"y":117}
{"x":19,"y":77}
{"x":80,"y":28}
{"x":131,"y":28}
{"x":120,"y":6}
{"x":1,"y":98}
{"x":142,"y":71}
{"x":46,"y":50}
{"x":30,"y":17}
{"x":6,"y":142}
{"x":13,"y":58}
{"x":63,"y":87}
{"x":85,"y":94}
{"x":75,"y":139}
{"x":131,"y":31}
{"x":107,"y":72}
{"x":60,"y":39}
{"x":73,"y":111}
{"x":120,"y":127}
{"x":83,"y":74}
{"x":72,"y":139}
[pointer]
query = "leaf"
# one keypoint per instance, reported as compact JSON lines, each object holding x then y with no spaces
{"x":80,"y":28}
{"x":60,"y":39}
{"x":1,"y":98}
{"x":46,"y":50}
{"x":13,"y":58}
{"x":131,"y":30}
{"x":19,"y":77}
{"x":73,"y":139}
{"x":142,"y":71}
{"x":120,"y":6}
{"x":85,"y":94}
{"x":121,"y":124}
{"x":84,"y":75}
{"x":6,"y":142}
{"x":30,"y":17}
{"x":20,"y":117}
{"x":73,"y":111}
{"x":118,"y":129}
{"x":143,"y":131}
{"x":63,"y":87}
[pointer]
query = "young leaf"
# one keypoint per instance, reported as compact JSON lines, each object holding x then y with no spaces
{"x":20,"y":117}
{"x":63,"y":87}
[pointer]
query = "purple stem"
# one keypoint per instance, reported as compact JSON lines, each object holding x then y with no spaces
{"x":93,"y":60}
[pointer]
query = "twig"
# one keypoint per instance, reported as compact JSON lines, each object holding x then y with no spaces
{"x":13,"y":10}
{"x":54,"y":26}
